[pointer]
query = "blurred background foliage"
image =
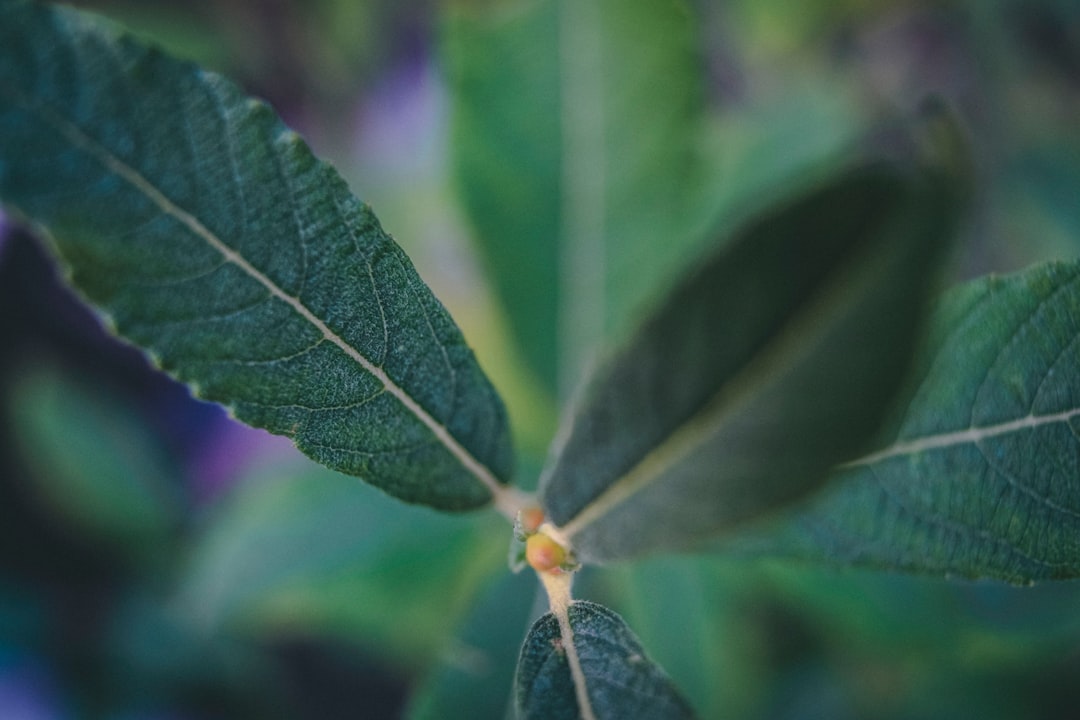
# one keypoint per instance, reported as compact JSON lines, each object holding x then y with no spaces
{"x":159,"y":561}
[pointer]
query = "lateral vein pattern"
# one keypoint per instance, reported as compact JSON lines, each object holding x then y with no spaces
{"x":970,"y":436}
{"x":213,"y":238}
{"x":997,"y":497}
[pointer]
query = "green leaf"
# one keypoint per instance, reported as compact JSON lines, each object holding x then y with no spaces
{"x":769,"y":364}
{"x":690,"y":611}
{"x":93,"y":462}
{"x":576,"y":128}
{"x":904,"y":616}
{"x":302,"y":549}
{"x":776,"y":147}
{"x":979,"y":474}
{"x":475,"y":676}
{"x":622,"y":682}
{"x":210,"y":235}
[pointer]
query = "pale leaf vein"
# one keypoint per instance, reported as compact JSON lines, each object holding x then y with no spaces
{"x":111,"y":162}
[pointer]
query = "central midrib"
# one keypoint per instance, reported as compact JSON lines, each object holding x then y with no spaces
{"x":784,"y":351}
{"x":583,"y":160}
{"x":968,"y":436}
{"x":111,"y":162}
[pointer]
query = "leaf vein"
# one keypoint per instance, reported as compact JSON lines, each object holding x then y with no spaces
{"x":1022,"y":487}
{"x":401,"y":450}
{"x":71,"y":131}
{"x":374,"y":290}
{"x":175,"y":280}
{"x":225,"y":314}
{"x":319,"y":408}
{"x":944,"y":441}
{"x":949,"y":525}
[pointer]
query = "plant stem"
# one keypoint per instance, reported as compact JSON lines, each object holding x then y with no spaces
{"x":557,"y":585}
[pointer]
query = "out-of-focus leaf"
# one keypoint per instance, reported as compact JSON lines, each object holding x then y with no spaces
{"x":155,"y":645}
{"x":1036,"y":201}
{"x":475,"y":673}
{"x":212,"y":237}
{"x":313,"y":551}
{"x":494,"y":60}
{"x":775,"y":148}
{"x":739,"y":636}
{"x":980,"y":474}
{"x":770,"y":363}
{"x":180,"y":30}
{"x":917,"y":618}
{"x":689,"y":612}
{"x":913,"y":646}
{"x":93,"y":461}
{"x":576,"y":131}
{"x":622,"y":682}
{"x":23,"y":617}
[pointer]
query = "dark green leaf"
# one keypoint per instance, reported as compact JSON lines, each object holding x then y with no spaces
{"x":306,"y":550}
{"x":980,"y":475}
{"x":770,"y":363}
{"x":622,"y":682}
{"x":210,"y":235}
{"x":576,"y":127}
{"x":906,"y":616}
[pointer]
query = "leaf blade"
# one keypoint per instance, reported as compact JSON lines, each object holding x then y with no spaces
{"x":196,"y":220}
{"x":977,"y":476}
{"x":297,"y":548}
{"x":621,"y":681}
{"x":474,"y":675}
{"x":93,"y":463}
{"x":709,"y":417}
{"x":577,"y":133}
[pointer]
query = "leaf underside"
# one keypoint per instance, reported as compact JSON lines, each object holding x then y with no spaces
{"x":209,"y":235}
{"x":622,"y":682}
{"x":980,"y":474}
{"x":775,"y":360}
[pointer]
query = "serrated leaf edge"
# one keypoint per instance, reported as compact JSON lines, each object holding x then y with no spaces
{"x":505,"y":499}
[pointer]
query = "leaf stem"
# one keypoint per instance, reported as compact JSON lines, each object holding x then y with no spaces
{"x":509,"y":500}
{"x":558,"y":587}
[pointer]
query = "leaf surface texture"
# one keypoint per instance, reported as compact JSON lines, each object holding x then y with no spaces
{"x":979,"y":475}
{"x":773,"y":361}
{"x":211,"y":236}
{"x":622,"y":682}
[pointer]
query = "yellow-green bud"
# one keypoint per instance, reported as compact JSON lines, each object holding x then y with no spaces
{"x":544,"y":554}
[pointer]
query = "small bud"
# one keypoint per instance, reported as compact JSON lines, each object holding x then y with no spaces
{"x":544,"y":554}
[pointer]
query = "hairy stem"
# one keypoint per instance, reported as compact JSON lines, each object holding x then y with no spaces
{"x":560,"y":598}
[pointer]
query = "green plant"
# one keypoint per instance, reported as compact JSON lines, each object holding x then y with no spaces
{"x":783,"y":384}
